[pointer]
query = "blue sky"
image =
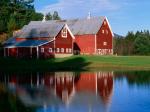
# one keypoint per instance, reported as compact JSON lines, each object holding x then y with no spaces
{"x":123,"y":15}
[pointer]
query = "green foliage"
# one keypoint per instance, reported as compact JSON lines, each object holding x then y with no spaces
{"x":14,"y":14}
{"x":11,"y":25}
{"x":49,"y":16}
{"x":142,"y":44}
{"x":56,"y":16}
{"x":133,"y":44}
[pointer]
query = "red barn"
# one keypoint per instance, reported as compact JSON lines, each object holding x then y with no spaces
{"x":41,"y":40}
{"x":61,"y":38}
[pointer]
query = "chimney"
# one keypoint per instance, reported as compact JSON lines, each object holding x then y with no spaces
{"x":89,"y":15}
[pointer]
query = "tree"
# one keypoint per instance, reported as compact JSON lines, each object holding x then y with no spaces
{"x":49,"y":16}
{"x":11,"y":26}
{"x":56,"y":16}
{"x":142,"y":45}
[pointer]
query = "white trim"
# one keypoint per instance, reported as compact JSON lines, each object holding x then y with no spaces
{"x":50,"y":50}
{"x":70,"y":31}
{"x":109,"y":26}
{"x":104,"y":43}
{"x":8,"y":51}
{"x":58,"y":50}
{"x":62,"y":50}
{"x":31,"y":52}
{"x":96,"y":82}
{"x":37,"y":51}
{"x":64,"y":32}
{"x":42,"y":50}
{"x":103,"y":31}
{"x":54,"y":45}
{"x":95,"y":44}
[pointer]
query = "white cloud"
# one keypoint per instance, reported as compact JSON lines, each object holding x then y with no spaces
{"x":80,"y":8}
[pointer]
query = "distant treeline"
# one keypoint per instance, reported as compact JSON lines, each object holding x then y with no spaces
{"x":133,"y":43}
{"x":14,"y":14}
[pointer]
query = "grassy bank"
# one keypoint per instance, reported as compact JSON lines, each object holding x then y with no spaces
{"x":77,"y":63}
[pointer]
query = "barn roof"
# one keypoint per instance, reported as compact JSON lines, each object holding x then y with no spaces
{"x":85,"y":26}
{"x":52,"y":27}
{"x":28,"y":43}
{"x":11,"y":40}
{"x":40,"y":29}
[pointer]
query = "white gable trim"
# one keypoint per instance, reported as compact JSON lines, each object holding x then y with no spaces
{"x":109,"y":26}
{"x":69,"y":31}
{"x":46,"y":42}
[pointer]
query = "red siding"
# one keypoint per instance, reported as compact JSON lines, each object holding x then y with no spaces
{"x":87,"y":82}
{"x":86,"y":43}
{"x":12,"y":52}
{"x":46,"y":53}
{"x":66,"y":43}
{"x":102,"y":37}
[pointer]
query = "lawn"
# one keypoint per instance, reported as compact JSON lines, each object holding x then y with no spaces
{"x":77,"y":63}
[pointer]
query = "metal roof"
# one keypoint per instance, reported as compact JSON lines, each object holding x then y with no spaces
{"x":11,"y":40}
{"x":40,"y":29}
{"x":52,"y":27}
{"x":28,"y":43}
{"x":85,"y":26}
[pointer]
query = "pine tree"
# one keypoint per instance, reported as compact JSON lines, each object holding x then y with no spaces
{"x":56,"y":16}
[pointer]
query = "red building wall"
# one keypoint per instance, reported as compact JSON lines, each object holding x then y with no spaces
{"x":12,"y":52}
{"x":104,"y":35}
{"x":87,"y":82}
{"x":65,"y":43}
{"x":86,"y":43}
{"x":47,"y":53}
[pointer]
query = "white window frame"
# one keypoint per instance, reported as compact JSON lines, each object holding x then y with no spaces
{"x":103,"y":31}
{"x":70,"y":50}
{"x":64,"y":32}
{"x":50,"y":50}
{"x":42,"y":50}
{"x":67,"y":50}
{"x":62,"y":50}
{"x":58,"y":50}
{"x":105,"y":43}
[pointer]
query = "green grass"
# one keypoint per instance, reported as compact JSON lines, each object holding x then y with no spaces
{"x":77,"y":63}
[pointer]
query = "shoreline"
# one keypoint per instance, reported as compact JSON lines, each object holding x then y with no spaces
{"x":77,"y":63}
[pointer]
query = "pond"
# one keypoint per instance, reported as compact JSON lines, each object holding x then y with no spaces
{"x":99,"y":91}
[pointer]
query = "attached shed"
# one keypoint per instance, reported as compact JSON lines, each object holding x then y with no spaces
{"x":56,"y":41}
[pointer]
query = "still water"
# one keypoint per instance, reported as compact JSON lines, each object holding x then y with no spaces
{"x":101,"y":91}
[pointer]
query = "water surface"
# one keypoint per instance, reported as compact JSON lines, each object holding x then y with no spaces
{"x":101,"y":91}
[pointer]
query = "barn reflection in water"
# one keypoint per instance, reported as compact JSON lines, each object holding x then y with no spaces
{"x":62,"y":90}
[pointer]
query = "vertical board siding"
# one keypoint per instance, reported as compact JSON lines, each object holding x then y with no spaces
{"x":104,"y":37}
{"x":86,"y":43}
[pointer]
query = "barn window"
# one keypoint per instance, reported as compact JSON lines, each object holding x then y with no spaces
{"x":67,"y":50}
{"x":103,"y":31}
{"x":50,"y":50}
{"x":42,"y":50}
{"x":62,"y":50}
{"x":64,"y":32}
{"x":104,"y":22}
{"x":105,"y":43}
{"x":70,"y":50}
{"x":106,"y":31}
{"x":58,"y":50}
